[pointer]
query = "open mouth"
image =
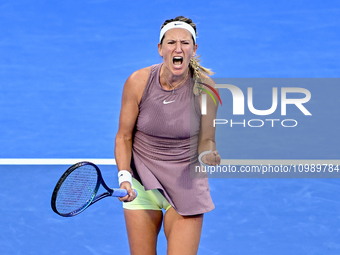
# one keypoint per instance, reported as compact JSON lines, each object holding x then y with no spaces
{"x":177,"y":60}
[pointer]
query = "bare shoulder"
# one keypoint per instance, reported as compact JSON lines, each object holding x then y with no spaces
{"x":135,"y":84}
{"x":140,"y":76}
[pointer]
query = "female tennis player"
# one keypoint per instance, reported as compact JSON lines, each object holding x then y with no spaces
{"x":161,"y":140}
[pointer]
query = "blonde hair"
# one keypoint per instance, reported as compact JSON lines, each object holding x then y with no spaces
{"x":194,"y":65}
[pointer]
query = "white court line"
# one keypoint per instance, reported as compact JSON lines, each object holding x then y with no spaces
{"x":54,"y":161}
{"x":108,"y":161}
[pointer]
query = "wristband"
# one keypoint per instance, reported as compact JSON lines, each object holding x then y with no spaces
{"x":124,"y":176}
{"x":201,"y":155}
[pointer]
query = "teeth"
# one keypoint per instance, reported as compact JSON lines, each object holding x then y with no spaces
{"x":177,"y":60}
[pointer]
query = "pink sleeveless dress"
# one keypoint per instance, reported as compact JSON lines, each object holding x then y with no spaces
{"x":165,"y":146}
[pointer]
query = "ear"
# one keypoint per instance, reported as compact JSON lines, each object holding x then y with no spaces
{"x":194,"y":52}
{"x":160,"y":49}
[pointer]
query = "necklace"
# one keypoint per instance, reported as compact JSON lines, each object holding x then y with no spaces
{"x":173,"y":87}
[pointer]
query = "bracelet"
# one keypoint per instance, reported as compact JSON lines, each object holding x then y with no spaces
{"x":201,"y":155}
{"x":124,"y":176}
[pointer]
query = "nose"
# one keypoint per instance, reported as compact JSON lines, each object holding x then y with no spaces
{"x":178,"y":47}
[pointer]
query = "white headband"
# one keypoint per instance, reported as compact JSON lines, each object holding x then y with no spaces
{"x":177,"y":24}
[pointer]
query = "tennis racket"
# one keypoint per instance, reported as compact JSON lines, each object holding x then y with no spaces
{"x":77,"y":189}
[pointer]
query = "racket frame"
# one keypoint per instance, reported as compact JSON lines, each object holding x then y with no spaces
{"x":95,"y":198}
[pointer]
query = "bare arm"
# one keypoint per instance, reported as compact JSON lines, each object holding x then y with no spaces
{"x":207,"y":133}
{"x":132,"y":94}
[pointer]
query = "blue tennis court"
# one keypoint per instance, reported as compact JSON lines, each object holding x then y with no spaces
{"x":62,"y":69}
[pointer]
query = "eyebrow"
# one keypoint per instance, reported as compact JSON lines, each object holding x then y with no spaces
{"x":173,"y":40}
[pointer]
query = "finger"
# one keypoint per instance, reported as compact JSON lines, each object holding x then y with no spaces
{"x":123,"y":199}
{"x":218,"y":159}
{"x":209,"y":160}
{"x":211,"y":157}
{"x":131,"y":194}
{"x":215,"y":160}
{"x":129,"y":197}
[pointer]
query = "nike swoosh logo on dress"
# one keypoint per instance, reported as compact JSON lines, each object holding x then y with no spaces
{"x":169,"y":102}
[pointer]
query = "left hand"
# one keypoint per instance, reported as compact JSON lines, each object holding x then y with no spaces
{"x":212,"y":158}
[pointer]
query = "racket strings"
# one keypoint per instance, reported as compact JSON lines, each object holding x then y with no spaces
{"x":77,"y":190}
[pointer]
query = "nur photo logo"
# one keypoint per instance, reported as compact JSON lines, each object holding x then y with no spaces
{"x":239,"y":102}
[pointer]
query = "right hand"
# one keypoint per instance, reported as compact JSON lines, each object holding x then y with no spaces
{"x":131,"y":193}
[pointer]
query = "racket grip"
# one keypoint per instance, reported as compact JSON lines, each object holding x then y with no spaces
{"x":121,"y":192}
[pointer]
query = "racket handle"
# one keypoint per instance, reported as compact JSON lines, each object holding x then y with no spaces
{"x":121,"y":192}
